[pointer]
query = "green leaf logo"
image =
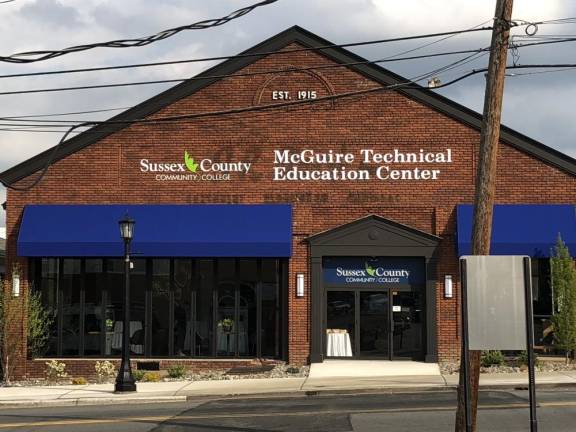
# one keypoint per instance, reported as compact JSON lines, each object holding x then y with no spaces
{"x":189,"y":161}
{"x":370,"y":270}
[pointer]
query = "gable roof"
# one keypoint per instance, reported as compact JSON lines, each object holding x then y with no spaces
{"x":373,"y":220}
{"x":275,"y":43}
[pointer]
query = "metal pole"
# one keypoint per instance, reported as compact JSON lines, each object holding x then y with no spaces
{"x":125,"y":381}
{"x":530,"y":344}
{"x":464,"y":362}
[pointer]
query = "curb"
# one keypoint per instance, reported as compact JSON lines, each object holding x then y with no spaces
{"x":90,"y":401}
{"x":287,"y":394}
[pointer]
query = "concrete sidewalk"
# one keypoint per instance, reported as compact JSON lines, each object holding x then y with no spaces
{"x":289,"y":387}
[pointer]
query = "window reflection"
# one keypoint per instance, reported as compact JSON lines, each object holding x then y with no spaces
{"x":184,"y":307}
{"x":138,"y":287}
{"x":203,"y":296}
{"x":247,"y":313}
{"x":160,"y":306}
{"x":227,"y":326}
{"x":48,"y":286}
{"x":93,"y":310}
{"x":114,"y":306}
{"x":71,"y":286}
{"x":270,"y":308}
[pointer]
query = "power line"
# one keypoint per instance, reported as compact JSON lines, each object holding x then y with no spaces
{"x":248,"y":55}
{"x":394,"y":56}
{"x":259,"y":54}
{"x":66,"y":113}
{"x":286,"y":70}
{"x":65,"y":124}
{"x":138,"y":42}
{"x":242,"y":74}
{"x":540,"y":72}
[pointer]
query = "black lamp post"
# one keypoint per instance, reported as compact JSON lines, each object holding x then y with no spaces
{"x":125,"y":381}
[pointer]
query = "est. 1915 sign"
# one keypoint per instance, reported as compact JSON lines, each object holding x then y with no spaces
{"x":373,"y":270}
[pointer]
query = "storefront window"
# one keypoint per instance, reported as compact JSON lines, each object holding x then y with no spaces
{"x":138,"y":288}
{"x":270,"y":326}
{"x":203,"y":325}
{"x":114,"y":306}
{"x":160,"y":306}
{"x":247,"y":310}
{"x":183,"y":307}
{"x":93,"y":311}
{"x":227,"y":324}
{"x":70,"y":292}
{"x":48,"y":286}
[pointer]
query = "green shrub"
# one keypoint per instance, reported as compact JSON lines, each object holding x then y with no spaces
{"x":492,"y":358}
{"x":522,"y":359}
{"x":40,"y":320}
{"x":138,"y":374}
{"x":151,"y":377}
{"x":563,"y":275}
{"x":10,"y":317}
{"x":79,"y":381}
{"x":176,"y":371}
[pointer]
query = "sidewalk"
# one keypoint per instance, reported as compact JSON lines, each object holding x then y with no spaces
{"x":93,"y":394}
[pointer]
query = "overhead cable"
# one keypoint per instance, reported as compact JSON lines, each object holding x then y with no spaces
{"x":35,"y":56}
{"x":249,"y":55}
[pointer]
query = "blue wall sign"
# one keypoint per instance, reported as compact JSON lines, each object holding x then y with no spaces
{"x":369,"y":270}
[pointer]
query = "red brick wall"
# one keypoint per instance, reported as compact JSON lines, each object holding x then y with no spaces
{"x":108,"y":172}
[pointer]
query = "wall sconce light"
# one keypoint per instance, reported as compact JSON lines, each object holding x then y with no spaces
{"x":300,"y":285}
{"x":448,"y":291}
{"x":16,"y":285}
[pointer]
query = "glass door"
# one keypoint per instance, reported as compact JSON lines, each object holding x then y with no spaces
{"x":340,"y":324}
{"x":382,"y":324}
{"x":407,"y":316}
{"x":374,"y":324}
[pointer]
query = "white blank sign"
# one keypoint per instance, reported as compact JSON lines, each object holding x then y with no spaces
{"x":496,"y":302}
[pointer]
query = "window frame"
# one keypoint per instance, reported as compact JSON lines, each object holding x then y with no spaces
{"x":282,"y":311}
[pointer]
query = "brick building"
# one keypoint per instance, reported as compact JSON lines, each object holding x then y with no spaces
{"x":299,"y":233}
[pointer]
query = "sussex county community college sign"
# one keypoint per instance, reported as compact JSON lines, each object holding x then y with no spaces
{"x":307,"y":165}
{"x":190,"y":170}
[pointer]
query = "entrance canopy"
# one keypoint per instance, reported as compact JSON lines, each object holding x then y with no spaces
{"x":160,"y":230}
{"x":522,"y":229}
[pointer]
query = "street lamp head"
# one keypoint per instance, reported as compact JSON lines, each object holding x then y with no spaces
{"x":126,"y":227}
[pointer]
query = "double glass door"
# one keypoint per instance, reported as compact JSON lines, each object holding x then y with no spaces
{"x":376,"y":324}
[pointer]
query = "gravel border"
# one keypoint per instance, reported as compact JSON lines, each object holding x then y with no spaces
{"x":279,"y":371}
{"x":541,"y":366}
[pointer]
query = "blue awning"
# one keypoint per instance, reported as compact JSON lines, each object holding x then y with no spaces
{"x":160,"y":231}
{"x":522,"y":229}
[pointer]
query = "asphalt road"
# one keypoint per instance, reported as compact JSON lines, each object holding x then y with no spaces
{"x":430,"y":412}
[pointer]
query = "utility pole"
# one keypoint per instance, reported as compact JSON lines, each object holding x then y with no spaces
{"x":486,"y":185}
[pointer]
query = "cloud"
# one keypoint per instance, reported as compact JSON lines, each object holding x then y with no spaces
{"x":49,"y":14}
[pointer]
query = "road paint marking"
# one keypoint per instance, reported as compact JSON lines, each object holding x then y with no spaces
{"x":159,"y":419}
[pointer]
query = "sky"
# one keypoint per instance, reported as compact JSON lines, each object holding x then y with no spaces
{"x":537,"y":105}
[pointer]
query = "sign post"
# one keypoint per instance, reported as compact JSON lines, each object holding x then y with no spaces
{"x":465,"y":362}
{"x":530,"y":345}
{"x":497,"y":315}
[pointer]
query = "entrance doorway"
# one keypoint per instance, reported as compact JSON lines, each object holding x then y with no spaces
{"x":383,"y":323}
